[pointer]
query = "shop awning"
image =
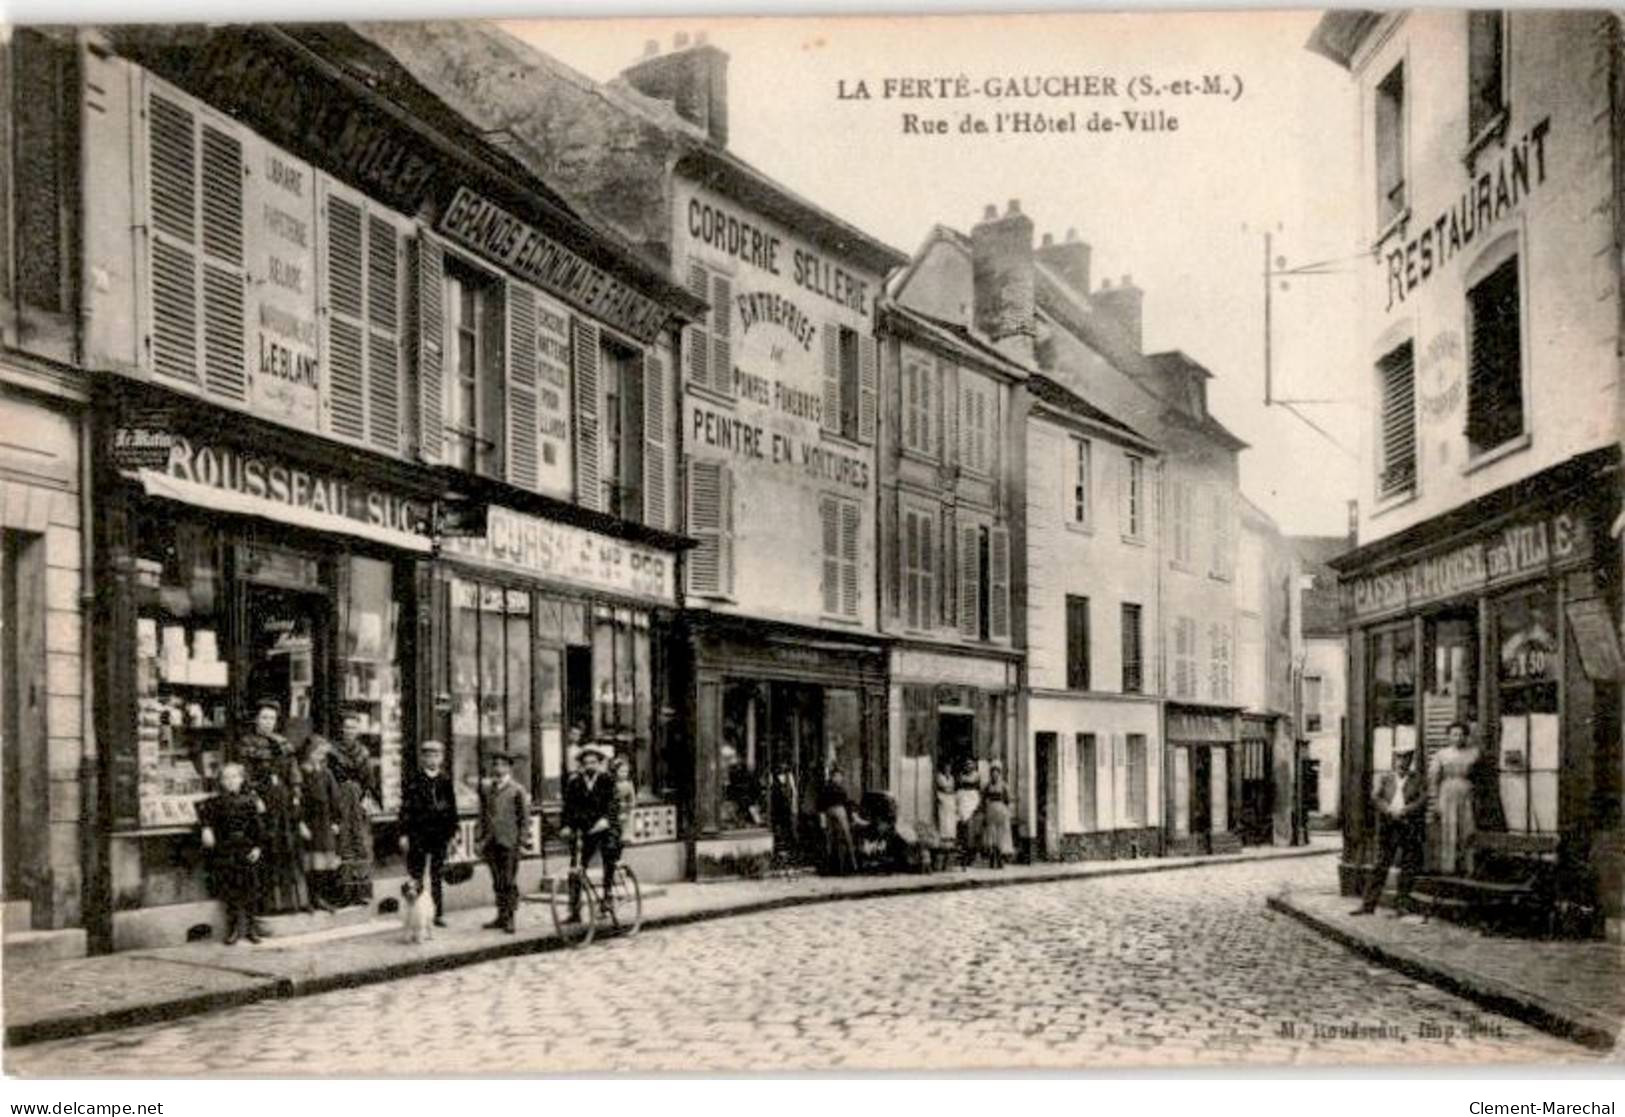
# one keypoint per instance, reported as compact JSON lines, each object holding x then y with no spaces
{"x":216,"y":499}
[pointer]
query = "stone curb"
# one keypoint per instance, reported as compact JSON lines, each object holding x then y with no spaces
{"x":1570,"y":1022}
{"x":271,"y":988}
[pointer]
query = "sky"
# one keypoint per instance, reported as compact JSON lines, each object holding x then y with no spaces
{"x":1183,"y":212}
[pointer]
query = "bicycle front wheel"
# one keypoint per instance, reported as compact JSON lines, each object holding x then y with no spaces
{"x":628,"y":897}
{"x":573,"y":932}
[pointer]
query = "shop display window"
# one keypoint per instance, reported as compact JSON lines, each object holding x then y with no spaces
{"x":369,"y":676}
{"x":490,"y":683}
{"x":743,"y":767}
{"x":620,"y":688}
{"x":182,"y":677}
{"x":1525,"y":752}
{"x":1391,"y":667}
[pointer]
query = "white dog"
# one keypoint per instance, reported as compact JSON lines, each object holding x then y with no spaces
{"x":417,"y":911}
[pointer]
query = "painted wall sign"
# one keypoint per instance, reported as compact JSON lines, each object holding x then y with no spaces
{"x":750,"y":442}
{"x":1530,"y":547}
{"x":1487,"y":199}
{"x":750,"y":241}
{"x":284,"y":371}
{"x":482,"y":225}
{"x":1200,"y":727}
{"x":555,"y":473}
{"x":524,"y":544}
{"x":1596,"y":638}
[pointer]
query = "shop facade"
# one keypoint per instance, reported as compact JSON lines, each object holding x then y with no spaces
{"x":1497,"y":617}
{"x":1203,"y":779}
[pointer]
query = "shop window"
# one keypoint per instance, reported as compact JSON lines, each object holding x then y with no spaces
{"x":1088,"y":783}
{"x":1311,"y":703}
{"x":1139,"y":774}
{"x":1396,"y":380}
{"x":1495,"y":362}
{"x":1133,"y":650}
{"x":1486,"y":71}
{"x":1078,"y":502}
{"x":490,"y":681}
{"x":1077,"y":643}
{"x":184,"y":721}
{"x":1528,"y":757}
{"x":1184,"y":657}
{"x":920,"y":394}
{"x":1133,"y":496}
{"x":1390,"y":139}
{"x":622,"y":371}
{"x":743,"y":764}
{"x":622,"y":688}
{"x":919,"y":569}
{"x":843,"y":741}
{"x":919,"y":720}
{"x":850,"y":383}
{"x":1391,"y":667}
{"x":369,"y":668}
{"x":840,"y":520}
{"x":708,"y":345}
{"x":471,"y":377}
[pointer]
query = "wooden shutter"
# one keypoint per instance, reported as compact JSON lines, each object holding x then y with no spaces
{"x":1077,"y":643}
{"x":585,"y":359}
{"x":697,"y":338}
{"x":969,"y":577}
{"x":927,"y":559}
{"x":832,"y":377}
{"x":850,"y":522}
{"x":225,"y":335}
{"x":830,"y":533}
{"x":522,"y":459}
{"x":707,"y":517}
{"x":385,"y":240}
{"x":343,"y":299}
{"x":655,"y":440}
{"x":894,"y":519}
{"x":967,"y":426}
{"x":722,"y":361}
{"x":947,"y":395}
{"x":428,"y":281}
{"x":173,"y":249}
{"x":911,"y":571}
{"x":999,"y":590}
{"x":1398,"y":372}
{"x":868,"y":387}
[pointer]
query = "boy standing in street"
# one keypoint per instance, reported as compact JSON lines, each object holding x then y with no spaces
{"x":504,"y":834}
{"x":234,"y":837}
{"x":429,"y":822}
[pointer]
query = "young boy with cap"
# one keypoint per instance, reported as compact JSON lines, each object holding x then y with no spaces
{"x":429,"y":821}
{"x":504,"y":833}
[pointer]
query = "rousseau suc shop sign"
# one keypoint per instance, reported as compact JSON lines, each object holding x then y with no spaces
{"x":1524,"y":548}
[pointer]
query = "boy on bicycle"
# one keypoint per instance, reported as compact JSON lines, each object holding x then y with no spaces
{"x":591,"y":811}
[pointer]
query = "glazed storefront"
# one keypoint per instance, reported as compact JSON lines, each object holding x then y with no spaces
{"x":1500,"y":616}
{"x":1202,"y":815}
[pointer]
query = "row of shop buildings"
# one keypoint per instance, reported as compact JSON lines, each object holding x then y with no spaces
{"x":316,"y":390}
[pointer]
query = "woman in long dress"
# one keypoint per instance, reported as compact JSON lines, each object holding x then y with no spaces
{"x":996,"y":836}
{"x":947,"y":816}
{"x":273,"y":777}
{"x":320,"y":793}
{"x":968,"y":792}
{"x":352,"y":767}
{"x":1453,"y":791}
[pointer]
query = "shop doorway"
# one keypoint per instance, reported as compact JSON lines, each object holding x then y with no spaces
{"x":1047,"y":757}
{"x":22,"y":715}
{"x":1257,"y":804}
{"x":956,"y":739}
{"x":287,"y":642}
{"x":1201,"y":797}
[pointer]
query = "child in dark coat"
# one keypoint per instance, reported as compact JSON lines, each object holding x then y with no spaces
{"x":234,"y":835}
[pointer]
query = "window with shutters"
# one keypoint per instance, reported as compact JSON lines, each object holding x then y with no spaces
{"x":621,"y":369}
{"x":1220,"y":560}
{"x":1179,"y":503}
{"x":708,"y":345}
{"x":472,"y":380}
{"x":363,"y":318}
{"x":1133,"y":650}
{"x":851,"y":383}
{"x":1219,"y":662}
{"x":710,"y":563}
{"x":919,"y":563}
{"x":1184,"y":681}
{"x":1486,"y":73}
{"x":1495,"y":413}
{"x":1390,"y":141}
{"x":838,"y":523}
{"x":920,"y":390}
{"x":1396,"y":380}
{"x":1078,"y":502}
{"x":1088,"y":782}
{"x":195,"y":249}
{"x":1133,"y":496}
{"x":1139,"y":780}
{"x":1077,"y":643}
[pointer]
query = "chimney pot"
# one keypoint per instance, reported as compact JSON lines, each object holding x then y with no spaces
{"x":1049,"y":239}
{"x":699,"y":38}
{"x":694,"y":82}
{"x":680,"y":40}
{"x":1002,"y":277}
{"x":651,"y":47}
{"x":1071,"y":235}
{"x":1105,"y":285}
{"x":1015,"y":206}
{"x":1128,"y":281}
{"x":990,"y":213}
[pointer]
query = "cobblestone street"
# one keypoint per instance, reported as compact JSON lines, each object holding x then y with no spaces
{"x":1165,"y":969}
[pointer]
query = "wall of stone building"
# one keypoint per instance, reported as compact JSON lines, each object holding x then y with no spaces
{"x":40,"y":516}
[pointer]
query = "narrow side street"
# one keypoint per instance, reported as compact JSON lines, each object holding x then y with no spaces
{"x":1186,"y":968}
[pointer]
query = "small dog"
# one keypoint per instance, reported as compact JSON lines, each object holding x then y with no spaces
{"x":417,"y":912}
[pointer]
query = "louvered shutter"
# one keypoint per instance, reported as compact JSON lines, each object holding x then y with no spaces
{"x":895,"y":520}
{"x":428,"y":280}
{"x":832,"y":377}
{"x":584,"y":356}
{"x":172,"y":207}
{"x":947,"y":395}
{"x":1398,"y":421}
{"x":927,"y":582}
{"x":868,"y":388}
{"x":967,"y":427}
{"x":727,"y":553}
{"x":655,"y":439}
{"x":705,"y":522}
{"x":722,"y":361}
{"x":850,"y":522}
{"x":345,"y":344}
{"x":969,"y":577}
{"x":911,"y":570}
{"x":999,"y":584}
{"x":384,"y":315}
{"x":697,"y":338}
{"x":523,"y":432}
{"x":830,"y":523}
{"x":225,"y":335}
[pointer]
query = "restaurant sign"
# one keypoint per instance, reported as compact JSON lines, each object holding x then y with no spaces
{"x":1521,"y":549}
{"x":559,"y":552}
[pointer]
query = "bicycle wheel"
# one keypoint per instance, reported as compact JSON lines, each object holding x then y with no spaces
{"x":577,"y":932}
{"x":627,"y":911}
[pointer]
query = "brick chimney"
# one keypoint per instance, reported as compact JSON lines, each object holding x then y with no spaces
{"x":1002,"y":278}
{"x":1123,"y":305}
{"x":1068,"y":259}
{"x":693,"y":77}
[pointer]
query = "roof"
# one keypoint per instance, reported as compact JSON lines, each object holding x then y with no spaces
{"x":952,"y":335}
{"x":1060,"y":398}
{"x":1339,"y":34}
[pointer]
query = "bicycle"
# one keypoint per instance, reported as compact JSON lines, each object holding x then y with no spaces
{"x":621,"y":911}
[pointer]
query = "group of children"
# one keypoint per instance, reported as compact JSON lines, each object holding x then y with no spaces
{"x":236,"y":833}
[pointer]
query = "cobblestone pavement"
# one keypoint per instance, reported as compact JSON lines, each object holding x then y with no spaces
{"x":1172,"y":968}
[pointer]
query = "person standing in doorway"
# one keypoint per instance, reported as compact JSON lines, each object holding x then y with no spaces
{"x":272,"y":775}
{"x":504,"y":834}
{"x":996,"y":836}
{"x":429,"y":822}
{"x":947,"y":816}
{"x":1400,"y":798}
{"x":1450,"y":778}
{"x":835,"y":813}
{"x":968,"y":791}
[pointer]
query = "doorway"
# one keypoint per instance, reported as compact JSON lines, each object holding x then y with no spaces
{"x":956,"y":739}
{"x":287,"y":640}
{"x":1048,"y":754}
{"x":22,"y":708}
{"x":1201,"y":797}
{"x":1257,"y":804}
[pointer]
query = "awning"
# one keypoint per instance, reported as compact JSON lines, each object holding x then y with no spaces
{"x":157,"y":484}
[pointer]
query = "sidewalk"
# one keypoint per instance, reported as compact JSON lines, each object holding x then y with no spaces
{"x":86,"y":995}
{"x":1572,"y":989}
